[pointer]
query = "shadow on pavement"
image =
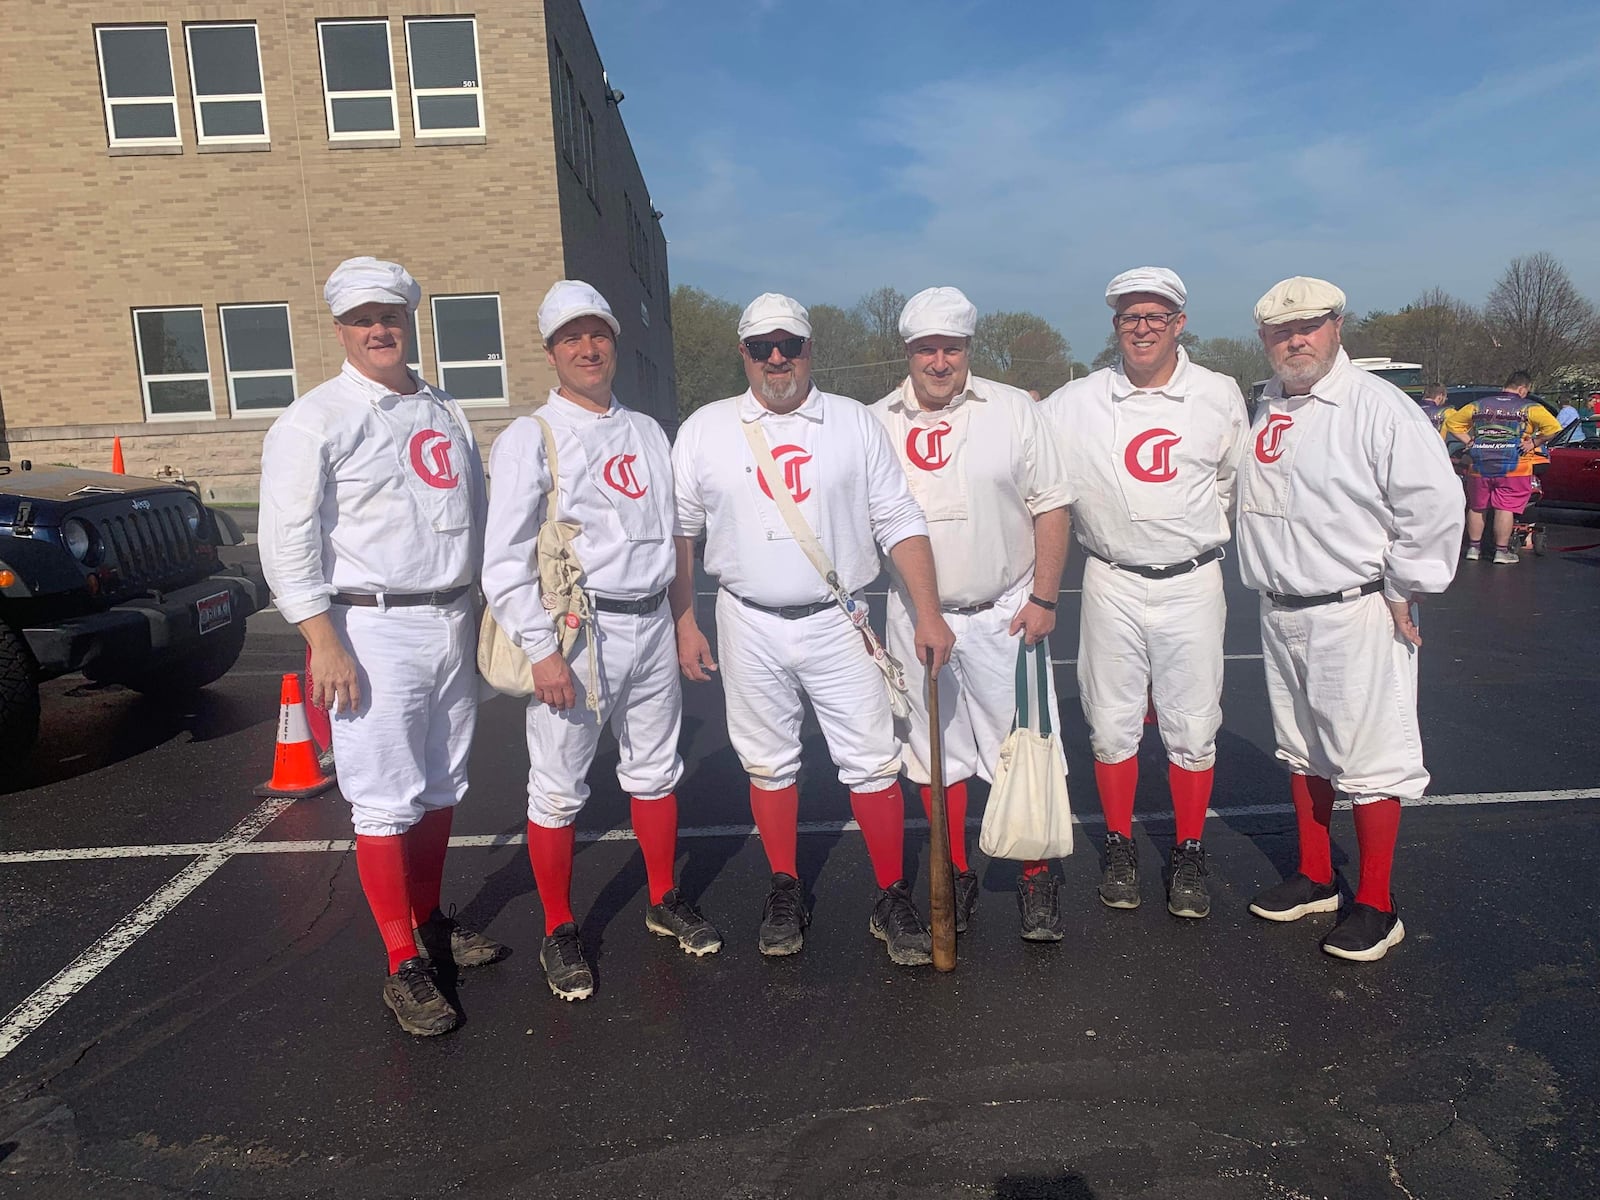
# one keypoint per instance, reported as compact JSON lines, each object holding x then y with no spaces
{"x":1069,"y":1185}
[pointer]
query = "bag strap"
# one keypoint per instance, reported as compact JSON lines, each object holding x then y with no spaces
{"x":586,"y":611}
{"x":1020,"y":720}
{"x":554,"y":461}
{"x":1041,"y":660}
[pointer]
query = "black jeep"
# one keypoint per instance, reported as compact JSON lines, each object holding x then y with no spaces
{"x":115,"y":576}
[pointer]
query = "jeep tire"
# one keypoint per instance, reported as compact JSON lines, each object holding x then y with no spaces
{"x":19,"y":697}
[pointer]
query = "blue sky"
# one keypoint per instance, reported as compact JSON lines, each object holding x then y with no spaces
{"x":1026,"y":152}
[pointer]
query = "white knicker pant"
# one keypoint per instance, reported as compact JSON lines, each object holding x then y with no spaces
{"x":1162,"y":634}
{"x":977,"y":691}
{"x":405,"y":750}
{"x":768,"y":663}
{"x":641,"y":697}
{"x":1343,"y":686}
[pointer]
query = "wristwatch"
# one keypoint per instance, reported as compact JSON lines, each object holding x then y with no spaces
{"x":1047,"y":605}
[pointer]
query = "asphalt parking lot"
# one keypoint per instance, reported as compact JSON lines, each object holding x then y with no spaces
{"x":191,"y":977}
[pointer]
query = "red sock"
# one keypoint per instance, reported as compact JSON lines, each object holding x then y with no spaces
{"x":426,"y":844}
{"x":655,"y":824}
{"x":1313,"y":813}
{"x":550,"y":853}
{"x":882,"y":817}
{"x":381,"y":863}
{"x":1116,"y":783}
{"x":777,"y":815}
{"x":1191,"y":795}
{"x":955,"y":812}
{"x":1034,"y":867}
{"x":1377,"y":829}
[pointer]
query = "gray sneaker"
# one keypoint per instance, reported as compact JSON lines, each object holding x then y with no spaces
{"x":897,"y":924}
{"x":468,"y":947}
{"x":966,"y":898}
{"x":1119,"y":885}
{"x":1506,"y":556}
{"x":676,"y":917}
{"x":1187,"y":894}
{"x":416,"y":1002}
{"x":1041,"y":907}
{"x":561,"y":956}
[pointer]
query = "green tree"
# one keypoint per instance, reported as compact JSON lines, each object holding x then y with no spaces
{"x":1242,"y":359}
{"x":1539,"y":317}
{"x":1021,"y":349}
{"x":705,"y":348}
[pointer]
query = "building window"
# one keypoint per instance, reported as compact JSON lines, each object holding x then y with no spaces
{"x":469,"y":348}
{"x":136,"y":83}
{"x":566,"y":100}
{"x":357,"y":79}
{"x":587,"y":172}
{"x":446,"y":95}
{"x":259,"y":357}
{"x":174,"y":371}
{"x":225,"y":71}
{"x":413,"y":343}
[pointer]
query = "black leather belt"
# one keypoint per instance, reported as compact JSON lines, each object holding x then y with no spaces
{"x":789,"y":612}
{"x":1355,"y":593}
{"x":632,"y":608}
{"x":967,"y":610}
{"x":400,"y":599}
{"x":1167,"y":572}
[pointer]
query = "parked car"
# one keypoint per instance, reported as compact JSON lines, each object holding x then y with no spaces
{"x":1571,"y":479}
{"x":116,"y":576}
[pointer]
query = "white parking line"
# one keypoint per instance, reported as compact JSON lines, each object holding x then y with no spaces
{"x":1067,"y":662}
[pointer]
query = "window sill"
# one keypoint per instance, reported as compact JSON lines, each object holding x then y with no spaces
{"x":364,"y":143}
{"x":130,"y":151}
{"x":233,"y":147}
{"x":451,"y":139}
{"x":502,"y":403}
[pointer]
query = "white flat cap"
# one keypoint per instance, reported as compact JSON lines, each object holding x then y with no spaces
{"x":1299,"y":298}
{"x":770,"y":311}
{"x":1154,"y":281}
{"x":367,"y":280}
{"x":569,"y":299}
{"x":938,"y":310}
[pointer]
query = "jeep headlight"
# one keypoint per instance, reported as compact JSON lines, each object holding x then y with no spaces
{"x":79,"y":537}
{"x":191,"y":514}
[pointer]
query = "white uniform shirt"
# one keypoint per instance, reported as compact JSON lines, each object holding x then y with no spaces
{"x":840,"y":469}
{"x":1152,"y":469}
{"x":982,"y":468}
{"x":1344,"y":486}
{"x":616,"y":485}
{"x":363,"y":490}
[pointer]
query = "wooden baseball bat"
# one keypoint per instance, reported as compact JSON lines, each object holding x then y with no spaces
{"x":941,"y":881}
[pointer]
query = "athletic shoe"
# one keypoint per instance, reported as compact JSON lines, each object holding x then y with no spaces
{"x":1474,"y":554}
{"x":1297,"y":896}
{"x":1187,"y":894}
{"x":966,"y":891}
{"x":1041,"y":907}
{"x":468,"y":947}
{"x":784,"y":919}
{"x":1119,"y":885}
{"x":416,"y":1002}
{"x":1365,"y":934}
{"x":1506,"y":556}
{"x":676,"y":917}
{"x":561,"y":956}
{"x":897,"y":924}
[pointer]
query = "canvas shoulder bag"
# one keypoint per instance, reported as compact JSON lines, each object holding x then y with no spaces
{"x":1029,"y":816}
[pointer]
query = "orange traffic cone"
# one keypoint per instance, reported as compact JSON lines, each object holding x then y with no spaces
{"x":117,"y":467}
{"x":295,"y":773}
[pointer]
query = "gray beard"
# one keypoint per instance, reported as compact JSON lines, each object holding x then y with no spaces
{"x":779,"y":394}
{"x":1301,"y":382}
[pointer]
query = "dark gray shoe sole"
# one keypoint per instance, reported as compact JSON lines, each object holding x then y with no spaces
{"x":661,"y":930}
{"x":901,"y":957}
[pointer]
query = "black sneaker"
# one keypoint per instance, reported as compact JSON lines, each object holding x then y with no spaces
{"x":561,"y":956}
{"x":416,"y":1002}
{"x":784,"y":919}
{"x":468,"y":947}
{"x":1365,"y":934}
{"x":1119,"y":885}
{"x":1041,"y":907}
{"x":966,"y":897}
{"x":676,"y":917}
{"x":1297,"y":896}
{"x":897,"y":924}
{"x":1187,"y":894}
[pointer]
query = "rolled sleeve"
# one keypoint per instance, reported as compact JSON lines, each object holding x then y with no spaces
{"x":294,"y":477}
{"x":894,"y":511}
{"x":1423,"y":498}
{"x":516,"y":511}
{"x":1046,"y":486}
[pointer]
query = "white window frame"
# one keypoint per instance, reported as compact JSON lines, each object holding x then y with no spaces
{"x":110,"y":104}
{"x":204,"y":139}
{"x":441,"y":363}
{"x":146,"y":380}
{"x":328,"y":97}
{"x":276,"y":372}
{"x":475,"y":89}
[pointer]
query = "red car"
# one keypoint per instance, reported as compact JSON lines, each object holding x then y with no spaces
{"x":1571,"y":480}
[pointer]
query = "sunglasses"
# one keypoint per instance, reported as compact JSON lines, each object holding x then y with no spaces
{"x":760,"y":349}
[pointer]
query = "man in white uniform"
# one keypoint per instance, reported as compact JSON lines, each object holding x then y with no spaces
{"x":372,"y":507}
{"x":1348,"y":511}
{"x":985,"y":470}
{"x":615,"y":484}
{"x":1151,"y":447}
{"x":783,"y":636}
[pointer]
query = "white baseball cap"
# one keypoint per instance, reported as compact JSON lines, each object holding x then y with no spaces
{"x":368,"y":280}
{"x":569,"y":299}
{"x":1299,"y":298}
{"x":1153,"y":281}
{"x":771,"y":311}
{"x":938,"y":310}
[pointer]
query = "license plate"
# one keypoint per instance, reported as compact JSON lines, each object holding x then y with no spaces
{"x":215,"y":611}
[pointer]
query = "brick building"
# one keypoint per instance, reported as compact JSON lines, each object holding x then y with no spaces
{"x":179,"y":177}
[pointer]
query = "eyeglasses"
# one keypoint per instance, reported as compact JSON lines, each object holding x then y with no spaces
{"x":760,"y":349}
{"x":1157,"y":321}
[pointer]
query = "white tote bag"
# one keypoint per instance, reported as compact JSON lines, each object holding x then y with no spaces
{"x":1029,"y":816}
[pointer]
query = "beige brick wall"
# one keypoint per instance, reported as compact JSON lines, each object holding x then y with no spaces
{"x":108,"y":233}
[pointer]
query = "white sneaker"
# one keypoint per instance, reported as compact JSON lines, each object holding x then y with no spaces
{"x":1506,"y":556}
{"x":1473,"y":554}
